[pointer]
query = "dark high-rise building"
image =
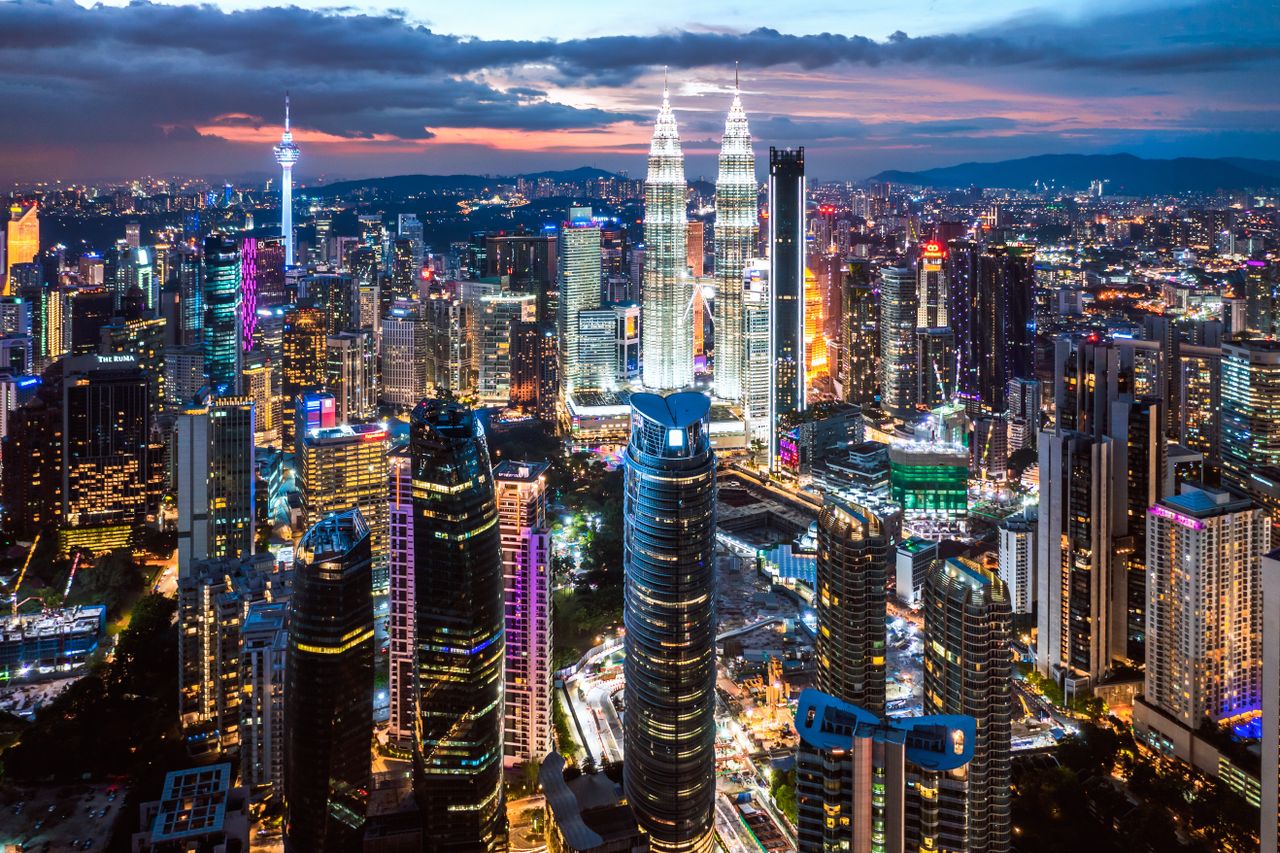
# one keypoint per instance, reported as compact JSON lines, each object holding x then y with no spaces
{"x":992,"y":312}
{"x":222,"y":317}
{"x":1250,"y":444}
{"x":329,"y":688}
{"x":532,"y":263}
{"x":851,"y":594}
{"x":85,"y":312}
{"x":534,"y":377}
{"x":32,"y":454}
{"x":1262,"y":298}
{"x":786,"y":284}
{"x":898,"y":342}
{"x":668,"y":556}
{"x":968,"y":620}
{"x":935,"y":366}
{"x":459,"y":619}
{"x":108,"y":458}
{"x":334,"y":295}
{"x":859,"y":342}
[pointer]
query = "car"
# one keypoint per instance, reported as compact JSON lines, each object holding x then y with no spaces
{"x":52,"y":806}
{"x":87,"y":844}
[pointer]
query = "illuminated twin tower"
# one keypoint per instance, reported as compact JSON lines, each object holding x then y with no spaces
{"x":668,"y":286}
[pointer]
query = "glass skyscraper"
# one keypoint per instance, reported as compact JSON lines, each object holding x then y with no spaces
{"x":851,"y":596}
{"x":786,"y":283}
{"x":329,"y":688}
{"x":459,"y":614}
{"x":222,"y":322}
{"x":667,"y":347}
{"x":668,"y":609}
{"x":735,"y":239}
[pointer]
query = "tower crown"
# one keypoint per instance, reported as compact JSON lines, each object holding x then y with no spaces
{"x":286,"y":152}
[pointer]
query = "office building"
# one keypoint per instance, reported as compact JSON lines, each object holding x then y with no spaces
{"x":215,"y":481}
{"x":991,"y":313}
{"x":866,"y":784}
{"x":287,"y":154}
{"x":898,"y":342}
{"x":495,"y":315}
{"x":668,"y":608}
{"x":1017,"y":554}
{"x":108,"y":463}
{"x":400,"y":624}
{"x":851,"y":596}
{"x":858,"y":367}
{"x":667,"y":290}
{"x":1081,"y":592}
{"x":406,"y":356}
{"x":932,"y":287}
{"x":22,"y":240}
{"x":967,"y":671}
{"x":222,"y":325}
{"x":1250,"y":443}
{"x":534,"y":374}
{"x":735,"y":241}
{"x":343,"y":467}
{"x":756,"y":374}
{"x":1204,"y":609}
{"x":409,"y":227}
{"x":303,"y":361}
{"x":935,"y":368}
{"x":351,"y":375}
{"x":213,"y":599}
{"x":449,"y":351}
{"x":264,"y":639}
{"x":458,"y":602}
{"x":329,"y":688}
{"x":579,"y":290}
{"x":526,"y":569}
{"x":261,"y":376}
{"x":786,"y":284}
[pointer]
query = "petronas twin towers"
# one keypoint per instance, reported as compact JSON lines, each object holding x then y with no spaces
{"x":668,"y":286}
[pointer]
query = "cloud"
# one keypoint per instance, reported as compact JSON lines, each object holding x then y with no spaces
{"x":145,"y":76}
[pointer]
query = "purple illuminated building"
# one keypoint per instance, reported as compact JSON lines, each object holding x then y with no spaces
{"x":248,"y":289}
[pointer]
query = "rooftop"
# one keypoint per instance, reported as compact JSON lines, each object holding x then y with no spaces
{"x":938,"y":742}
{"x":524,"y":472}
{"x":676,"y":411}
{"x":193,"y":803}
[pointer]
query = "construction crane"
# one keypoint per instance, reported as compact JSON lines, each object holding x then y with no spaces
{"x":71,"y":577}
{"x":23,"y":573}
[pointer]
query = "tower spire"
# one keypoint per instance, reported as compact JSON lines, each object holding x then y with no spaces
{"x":286,"y":112}
{"x":665,"y":91}
{"x":736,"y":87}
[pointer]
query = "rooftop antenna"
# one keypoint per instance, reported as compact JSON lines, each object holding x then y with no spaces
{"x":735,"y":75}
{"x":286,"y":111}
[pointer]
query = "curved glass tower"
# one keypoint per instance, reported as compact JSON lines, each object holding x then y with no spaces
{"x":851,"y":578}
{"x":667,"y":292}
{"x":328,"y":710}
{"x":735,"y":240}
{"x":459,"y":617}
{"x":668,"y":555}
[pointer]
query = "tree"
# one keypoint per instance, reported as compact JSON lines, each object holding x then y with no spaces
{"x":1022,"y":459}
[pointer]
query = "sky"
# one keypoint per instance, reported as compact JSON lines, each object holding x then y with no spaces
{"x":119,"y":90}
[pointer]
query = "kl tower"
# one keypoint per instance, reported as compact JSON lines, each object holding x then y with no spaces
{"x":286,"y":155}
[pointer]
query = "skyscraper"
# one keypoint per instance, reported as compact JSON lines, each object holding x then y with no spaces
{"x":342,"y":467}
{"x":526,"y":567}
{"x":1250,"y":443}
{"x":351,"y":375}
{"x":1270,"y":744}
{"x":667,"y":348}
{"x":400,"y":626}
{"x":264,"y":640}
{"x":735,"y":240}
{"x":866,"y":784}
{"x":932,"y":290}
{"x":755,"y":378}
{"x":22,"y":240}
{"x":458,"y":600}
{"x":329,"y":688}
{"x":668,"y":608}
{"x":858,"y":370}
{"x":223,"y":350}
{"x":303,"y":362}
{"x":898,"y":342}
{"x":967,"y":666}
{"x":406,"y":343}
{"x":1081,"y":594}
{"x":1204,"y":609}
{"x":215,"y":481}
{"x":287,"y":154}
{"x":851,"y":596}
{"x":786,"y":285}
{"x":579,"y":254}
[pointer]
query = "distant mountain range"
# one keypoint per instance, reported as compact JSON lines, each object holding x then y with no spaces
{"x":406,"y":185}
{"x":1125,"y":174}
